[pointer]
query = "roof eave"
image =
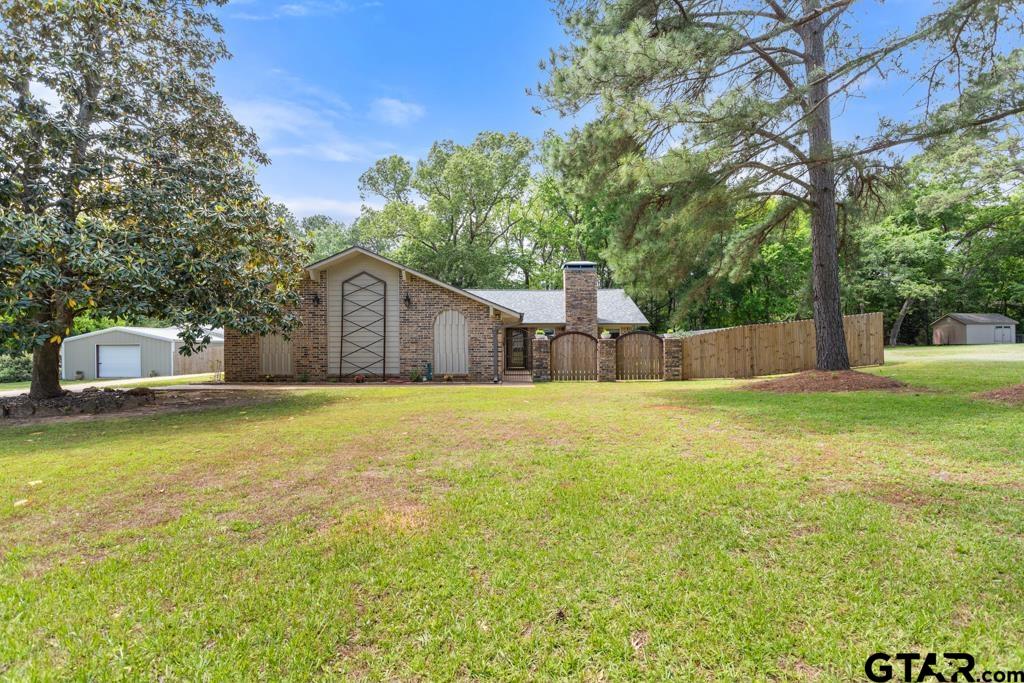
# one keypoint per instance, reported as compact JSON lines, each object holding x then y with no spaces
{"x":314,"y":269}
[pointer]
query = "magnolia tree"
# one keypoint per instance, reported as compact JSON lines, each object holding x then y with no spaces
{"x":711,"y":112}
{"x":126,"y":186}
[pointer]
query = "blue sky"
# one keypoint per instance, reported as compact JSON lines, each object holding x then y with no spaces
{"x":332,"y":86}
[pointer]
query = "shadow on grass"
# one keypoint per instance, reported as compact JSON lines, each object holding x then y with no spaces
{"x":97,"y":432}
{"x":964,"y":427}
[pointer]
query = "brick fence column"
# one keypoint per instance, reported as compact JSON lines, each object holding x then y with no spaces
{"x":241,"y":356}
{"x":541,"y":359}
{"x":606,"y":360}
{"x":310,"y":340}
{"x":672,"y":361}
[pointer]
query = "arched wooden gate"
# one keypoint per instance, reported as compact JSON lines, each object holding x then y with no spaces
{"x":638,"y":355}
{"x":573,"y":357}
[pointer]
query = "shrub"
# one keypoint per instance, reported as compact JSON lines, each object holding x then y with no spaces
{"x":15,"y":368}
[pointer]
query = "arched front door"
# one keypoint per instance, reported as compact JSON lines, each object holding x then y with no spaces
{"x":451,"y":344}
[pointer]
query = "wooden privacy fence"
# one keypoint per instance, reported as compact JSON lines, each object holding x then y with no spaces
{"x":776,"y":348}
{"x":210,"y":359}
{"x":573,"y":357}
{"x":638,"y":355}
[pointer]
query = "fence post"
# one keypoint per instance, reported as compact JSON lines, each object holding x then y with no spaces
{"x":541,"y":359}
{"x":672,"y":359}
{"x":606,"y":360}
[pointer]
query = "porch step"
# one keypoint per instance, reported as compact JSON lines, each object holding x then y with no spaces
{"x":518,"y":377}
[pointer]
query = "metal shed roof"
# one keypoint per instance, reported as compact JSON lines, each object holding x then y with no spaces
{"x":547,"y":306}
{"x":161,"y":333}
{"x":979,"y":319}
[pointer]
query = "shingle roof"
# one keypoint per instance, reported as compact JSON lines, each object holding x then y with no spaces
{"x":980,"y":318}
{"x":547,"y":306}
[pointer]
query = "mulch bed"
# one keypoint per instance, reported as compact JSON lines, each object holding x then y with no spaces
{"x":92,"y":402}
{"x":1013,"y":395}
{"x":811,"y":381}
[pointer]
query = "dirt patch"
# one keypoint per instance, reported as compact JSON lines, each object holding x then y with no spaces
{"x":639,"y":640}
{"x":94,"y":403}
{"x":1013,"y":395}
{"x":811,"y":381}
{"x":90,"y":401}
{"x":800,"y":670}
{"x":898,"y":496}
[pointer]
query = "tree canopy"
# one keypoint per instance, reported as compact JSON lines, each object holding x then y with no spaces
{"x":713,"y":113}
{"x":126,"y":187}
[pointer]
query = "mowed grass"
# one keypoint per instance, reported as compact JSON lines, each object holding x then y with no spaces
{"x":148,"y":382}
{"x":689,"y":530}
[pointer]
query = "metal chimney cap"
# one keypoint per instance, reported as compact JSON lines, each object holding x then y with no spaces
{"x":579,"y":265}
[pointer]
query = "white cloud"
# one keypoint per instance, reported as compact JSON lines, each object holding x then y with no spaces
{"x":304,"y":90}
{"x":308,"y":206}
{"x":293,"y":129}
{"x":301,"y":8}
{"x":396,"y":112}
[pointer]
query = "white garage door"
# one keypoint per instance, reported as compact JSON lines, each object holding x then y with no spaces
{"x":118,"y":361}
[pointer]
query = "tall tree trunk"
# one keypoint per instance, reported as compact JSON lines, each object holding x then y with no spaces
{"x":46,"y":358}
{"x":828,"y":313}
{"x":894,"y":333}
{"x":46,"y":372}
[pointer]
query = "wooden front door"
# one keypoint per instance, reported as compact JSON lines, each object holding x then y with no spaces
{"x":515,"y":349}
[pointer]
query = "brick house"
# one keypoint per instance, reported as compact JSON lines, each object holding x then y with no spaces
{"x":363,"y":314}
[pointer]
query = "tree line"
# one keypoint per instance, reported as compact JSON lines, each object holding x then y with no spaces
{"x":704,"y":175}
{"x":945,"y":234}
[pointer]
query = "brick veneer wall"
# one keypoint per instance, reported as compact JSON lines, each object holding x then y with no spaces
{"x":309,"y":341}
{"x":672,"y":361}
{"x":541,"y":348}
{"x":606,"y":360}
{"x":241,"y":356}
{"x":416,"y":327}
{"x":580,"y":300}
{"x":309,"y":347}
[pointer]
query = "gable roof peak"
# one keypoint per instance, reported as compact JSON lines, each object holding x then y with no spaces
{"x":313,"y":270}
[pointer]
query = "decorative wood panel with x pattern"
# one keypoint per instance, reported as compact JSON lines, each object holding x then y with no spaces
{"x":363,"y":327}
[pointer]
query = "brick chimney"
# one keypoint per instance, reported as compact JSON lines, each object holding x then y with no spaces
{"x":580,"y":281}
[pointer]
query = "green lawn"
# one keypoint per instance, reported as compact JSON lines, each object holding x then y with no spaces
{"x":5,"y":386}
{"x":685,"y":530}
{"x":151,"y":382}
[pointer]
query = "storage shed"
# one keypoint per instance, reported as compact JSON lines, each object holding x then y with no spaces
{"x":118,"y":352}
{"x":974,"y":328}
